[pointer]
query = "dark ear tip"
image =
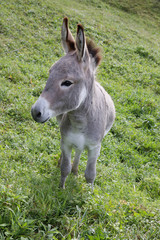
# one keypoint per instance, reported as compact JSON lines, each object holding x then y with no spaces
{"x":65,"y":20}
{"x":80,"y":27}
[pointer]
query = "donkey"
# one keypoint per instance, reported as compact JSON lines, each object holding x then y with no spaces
{"x":84,"y":110}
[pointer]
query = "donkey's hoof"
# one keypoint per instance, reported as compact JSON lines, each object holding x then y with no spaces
{"x":62,"y":182}
{"x":90,"y":180}
{"x":62,"y":186}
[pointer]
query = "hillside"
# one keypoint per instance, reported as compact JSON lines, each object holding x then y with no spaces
{"x":126,"y":197}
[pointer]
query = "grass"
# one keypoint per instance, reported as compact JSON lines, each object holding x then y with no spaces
{"x":126,"y":198}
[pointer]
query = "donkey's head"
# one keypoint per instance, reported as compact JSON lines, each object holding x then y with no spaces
{"x":70,"y":78}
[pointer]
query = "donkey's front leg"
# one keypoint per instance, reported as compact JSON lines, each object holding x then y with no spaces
{"x":90,"y":172}
{"x":65,"y":163}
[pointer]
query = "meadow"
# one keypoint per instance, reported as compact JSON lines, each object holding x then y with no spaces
{"x":125,"y":203}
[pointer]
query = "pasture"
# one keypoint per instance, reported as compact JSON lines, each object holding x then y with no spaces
{"x":125,"y":203}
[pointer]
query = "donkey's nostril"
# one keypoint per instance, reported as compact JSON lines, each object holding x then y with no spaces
{"x":38,"y":114}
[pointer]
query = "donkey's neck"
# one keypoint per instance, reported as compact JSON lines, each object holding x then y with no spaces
{"x":78,"y":117}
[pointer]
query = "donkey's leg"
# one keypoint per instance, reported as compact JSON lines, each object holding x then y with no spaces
{"x":90,"y":172}
{"x":65,"y":163}
{"x":59,"y":161}
{"x":76,"y":161}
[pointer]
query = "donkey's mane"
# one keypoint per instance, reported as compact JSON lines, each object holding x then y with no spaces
{"x":94,"y":51}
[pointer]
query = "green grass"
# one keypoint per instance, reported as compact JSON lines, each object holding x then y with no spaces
{"x":125,"y":203}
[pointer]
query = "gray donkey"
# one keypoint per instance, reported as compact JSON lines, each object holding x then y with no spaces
{"x":84,"y":110}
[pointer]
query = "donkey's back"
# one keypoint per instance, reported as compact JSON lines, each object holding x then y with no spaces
{"x":84,"y":110}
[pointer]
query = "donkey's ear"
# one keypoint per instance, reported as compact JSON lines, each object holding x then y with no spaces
{"x":68,"y":42}
{"x":82,"y":51}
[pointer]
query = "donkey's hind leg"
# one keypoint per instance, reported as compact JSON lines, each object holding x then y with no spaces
{"x":90,"y":172}
{"x":59,"y":161}
{"x":76,"y":161}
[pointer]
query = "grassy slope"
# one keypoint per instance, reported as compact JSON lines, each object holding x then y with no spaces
{"x":125,"y":202}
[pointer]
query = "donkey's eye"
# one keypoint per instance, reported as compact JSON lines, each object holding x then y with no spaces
{"x":66,"y":83}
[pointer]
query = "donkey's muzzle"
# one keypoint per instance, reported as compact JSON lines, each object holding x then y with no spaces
{"x":36,"y":114}
{"x":40,"y":111}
